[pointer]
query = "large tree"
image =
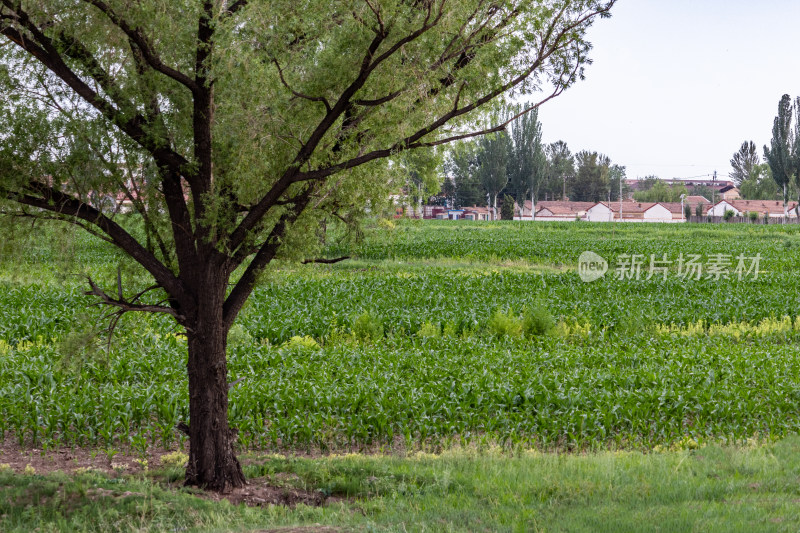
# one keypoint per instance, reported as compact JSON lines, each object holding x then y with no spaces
{"x":780,"y":155}
{"x":527,"y":166}
{"x":744,"y":163}
{"x":493,"y":155}
{"x":419,"y":170}
{"x":760,"y":186}
{"x":661,"y":192}
{"x":231,"y":127}
{"x":561,"y":169}
{"x":591,"y":181}
{"x":461,"y":165}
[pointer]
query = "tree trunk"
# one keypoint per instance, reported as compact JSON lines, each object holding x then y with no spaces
{"x":212,"y":461}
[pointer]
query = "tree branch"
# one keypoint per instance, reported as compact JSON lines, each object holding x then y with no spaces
{"x":236,"y":6}
{"x":49,"y":199}
{"x":243,"y":288}
{"x":44,"y":50}
{"x":326,"y":261}
{"x":126,"y":306}
{"x":299,"y":94}
{"x":368,"y":64}
{"x":141,"y":42}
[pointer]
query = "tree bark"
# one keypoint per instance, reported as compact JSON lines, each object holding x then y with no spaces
{"x":212,"y":461}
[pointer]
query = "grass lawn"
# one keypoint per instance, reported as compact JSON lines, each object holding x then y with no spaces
{"x":752,"y":488}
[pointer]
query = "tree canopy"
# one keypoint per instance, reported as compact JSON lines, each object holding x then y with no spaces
{"x":744,"y":163}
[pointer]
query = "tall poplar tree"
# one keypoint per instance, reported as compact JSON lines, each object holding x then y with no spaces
{"x":527,"y":165}
{"x":780,"y":155}
{"x":493,"y":159}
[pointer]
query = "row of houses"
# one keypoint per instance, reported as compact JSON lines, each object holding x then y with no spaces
{"x":626,"y":211}
{"x":632,"y":211}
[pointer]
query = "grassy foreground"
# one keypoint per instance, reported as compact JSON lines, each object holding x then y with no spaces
{"x":713,"y":488}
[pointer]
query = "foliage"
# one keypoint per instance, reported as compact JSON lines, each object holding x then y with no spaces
{"x":507,"y":210}
{"x":537,"y":321}
{"x":429,"y":330}
{"x":505,"y":323}
{"x":659,"y":191}
{"x":367,"y":327}
{"x":781,"y":154}
{"x":420,"y":175}
{"x":620,"y":350}
{"x":527,"y":167}
{"x":239,"y":336}
{"x":761,"y":186}
{"x":560,"y":167}
{"x":461,"y":165}
{"x":492,"y":171}
{"x":309,"y":343}
{"x":591,"y":181}
{"x":702,"y":190}
{"x":698,"y":210}
{"x":424,"y":491}
{"x":175,"y":459}
{"x":745,"y":163}
{"x":617,"y":182}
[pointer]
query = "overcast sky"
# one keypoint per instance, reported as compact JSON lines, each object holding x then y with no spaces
{"x":677,"y":85}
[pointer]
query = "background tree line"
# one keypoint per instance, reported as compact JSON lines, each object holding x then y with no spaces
{"x":516,"y":166}
{"x":777,"y":176}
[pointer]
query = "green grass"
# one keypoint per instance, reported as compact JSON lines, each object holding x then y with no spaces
{"x":708,"y":489}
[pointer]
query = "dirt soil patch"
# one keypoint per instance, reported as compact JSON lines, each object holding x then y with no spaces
{"x":259,"y":493}
{"x":306,"y":529}
{"x":76,"y":459}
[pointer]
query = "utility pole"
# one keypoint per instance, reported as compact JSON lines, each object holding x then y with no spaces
{"x":714,"y":190}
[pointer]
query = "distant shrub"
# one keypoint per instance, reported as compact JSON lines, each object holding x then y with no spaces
{"x":305,"y":342}
{"x":687,"y":211}
{"x":429,"y":330}
{"x":367,"y":327}
{"x":698,"y":210}
{"x":175,"y":459}
{"x":537,"y":321}
{"x":239,"y":336}
{"x":728,"y":215}
{"x":753,"y":215}
{"x":505,"y":323}
{"x":572,"y":328}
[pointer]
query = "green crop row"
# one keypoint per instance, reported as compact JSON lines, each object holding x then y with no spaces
{"x":547,"y":392}
{"x":434,"y":332}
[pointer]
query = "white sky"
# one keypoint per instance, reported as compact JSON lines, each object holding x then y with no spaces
{"x":678,"y":85}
